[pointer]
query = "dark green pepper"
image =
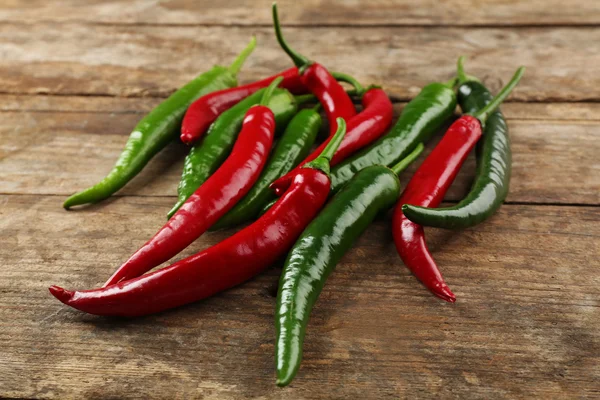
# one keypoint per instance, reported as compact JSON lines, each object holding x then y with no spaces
{"x":320,"y":247}
{"x":421,"y":117}
{"x":494,"y":160}
{"x":159,"y":128}
{"x":205,"y":157}
{"x":293,"y":147}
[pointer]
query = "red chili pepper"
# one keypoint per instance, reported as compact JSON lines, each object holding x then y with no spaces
{"x":428,"y":187}
{"x":214,"y":198}
{"x":319,"y":81}
{"x":363,"y":129}
{"x":206,"y":109}
{"x":224,"y":265}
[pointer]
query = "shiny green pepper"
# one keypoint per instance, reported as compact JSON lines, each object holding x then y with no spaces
{"x":419,"y":120}
{"x":320,"y":247}
{"x":159,"y":128}
{"x":494,"y":161}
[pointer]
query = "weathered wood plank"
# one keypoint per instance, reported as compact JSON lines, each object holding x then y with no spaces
{"x":526,"y":324}
{"x":71,"y":58}
{"x":311,"y":12}
{"x":51,"y":151}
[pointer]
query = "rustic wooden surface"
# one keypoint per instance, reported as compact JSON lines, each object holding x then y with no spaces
{"x":76,"y":76}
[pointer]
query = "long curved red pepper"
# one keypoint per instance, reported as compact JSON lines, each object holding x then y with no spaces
{"x":206,"y":109}
{"x":364,"y":128}
{"x":427,"y":189}
{"x":222,"y":266}
{"x":429,"y":185}
{"x":212,"y":200}
{"x":319,"y":81}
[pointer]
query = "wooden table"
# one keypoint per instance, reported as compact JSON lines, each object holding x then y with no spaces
{"x":76,"y":76}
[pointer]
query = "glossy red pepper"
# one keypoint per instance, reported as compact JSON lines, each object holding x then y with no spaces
{"x":224,"y":265}
{"x":429,"y":185}
{"x":319,"y":81}
{"x":427,"y":188}
{"x":206,"y":109}
{"x":364,"y":128}
{"x":214,"y":198}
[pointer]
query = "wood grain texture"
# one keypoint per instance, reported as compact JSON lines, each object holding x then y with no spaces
{"x":75,"y":77}
{"x":308,"y":12}
{"x":72,"y":58}
{"x":49,"y":151}
{"x":526,"y":324}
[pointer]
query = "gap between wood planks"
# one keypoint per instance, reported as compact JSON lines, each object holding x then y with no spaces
{"x":162,"y":196}
{"x":324,"y":25}
{"x":394,"y":99}
{"x":15,"y":109}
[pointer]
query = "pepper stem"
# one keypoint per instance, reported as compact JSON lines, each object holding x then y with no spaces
{"x":406,"y":161}
{"x":299,"y":60}
{"x":483,"y":114}
{"x":460,"y":72}
{"x":451,"y":83}
{"x":237,"y":64}
{"x":340,"y":76}
{"x":266,"y":97}
{"x":322,"y":161}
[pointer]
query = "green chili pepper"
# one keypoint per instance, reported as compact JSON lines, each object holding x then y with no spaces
{"x":318,"y":250}
{"x":293,"y":147}
{"x":206,"y":157}
{"x":421,"y":117}
{"x":159,"y":128}
{"x":493,"y":156}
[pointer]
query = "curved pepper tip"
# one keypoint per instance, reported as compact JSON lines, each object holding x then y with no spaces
{"x":187,"y":138}
{"x":175,"y":208}
{"x":283,"y":381}
{"x":444,"y":293}
{"x":70,"y":202}
{"x":61,"y":294}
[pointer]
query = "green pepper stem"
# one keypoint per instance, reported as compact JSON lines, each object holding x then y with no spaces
{"x":460,"y":72}
{"x":483,"y":114}
{"x":237,"y":64}
{"x":329,"y":150}
{"x":406,"y":161}
{"x":266,"y":97}
{"x":340,"y":76}
{"x":299,"y":60}
{"x":323,"y":160}
{"x":451,"y":83}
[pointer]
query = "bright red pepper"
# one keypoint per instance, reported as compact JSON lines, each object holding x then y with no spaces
{"x":429,"y":185}
{"x":224,"y":265}
{"x":363,"y":129}
{"x":213,"y":199}
{"x":333,"y":98}
{"x":427,"y":188}
{"x":206,"y":109}
{"x":319,"y":81}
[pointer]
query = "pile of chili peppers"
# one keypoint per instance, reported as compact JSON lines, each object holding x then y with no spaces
{"x":252,"y":162}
